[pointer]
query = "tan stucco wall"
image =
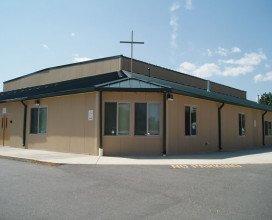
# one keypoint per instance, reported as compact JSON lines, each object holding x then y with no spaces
{"x":68,"y":127}
{"x":14,"y":132}
{"x":230,"y":128}
{"x":207,"y":122}
{"x":130,"y":144}
{"x":268,"y":139}
{"x":64,"y":73}
{"x":207,"y":132}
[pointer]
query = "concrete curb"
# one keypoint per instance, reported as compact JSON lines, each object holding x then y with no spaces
{"x":49,"y":158}
{"x":174,"y":163}
{"x":32,"y":161}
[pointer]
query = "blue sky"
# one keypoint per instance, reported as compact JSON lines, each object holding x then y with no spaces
{"x":227,"y":41}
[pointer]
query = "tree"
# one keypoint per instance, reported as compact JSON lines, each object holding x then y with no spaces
{"x":266,"y":99}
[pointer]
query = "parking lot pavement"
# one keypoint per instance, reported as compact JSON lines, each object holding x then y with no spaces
{"x":34,"y":191}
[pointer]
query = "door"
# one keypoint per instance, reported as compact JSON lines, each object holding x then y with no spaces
{"x":4,"y":133}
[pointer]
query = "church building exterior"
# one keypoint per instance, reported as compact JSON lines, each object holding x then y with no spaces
{"x":100,"y":107}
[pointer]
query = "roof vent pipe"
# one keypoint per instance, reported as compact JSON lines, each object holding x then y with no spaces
{"x":208,"y":86}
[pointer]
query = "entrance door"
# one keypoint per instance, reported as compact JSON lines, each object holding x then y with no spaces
{"x":4,"y":132}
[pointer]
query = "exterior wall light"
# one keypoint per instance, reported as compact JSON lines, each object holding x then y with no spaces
{"x":37,"y":102}
{"x":169,"y":96}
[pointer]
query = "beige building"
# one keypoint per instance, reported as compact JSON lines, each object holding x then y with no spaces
{"x":99,"y":106}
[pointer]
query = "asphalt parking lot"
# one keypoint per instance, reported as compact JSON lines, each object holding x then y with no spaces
{"x":33,"y":191}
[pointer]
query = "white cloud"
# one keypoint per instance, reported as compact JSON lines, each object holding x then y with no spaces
{"x":235,"y":50}
{"x":263,"y":77}
{"x":174,"y":32}
{"x":232,"y":67}
{"x":189,"y":4}
{"x":175,"y":6}
{"x":237,"y":70}
{"x":187,"y":67}
{"x":243,"y":65}
{"x":45,"y":46}
{"x":249,"y":59}
{"x":221,"y":51}
{"x":174,"y":20}
{"x":206,"y":70}
{"x":72,"y":34}
{"x":209,"y":52}
{"x":78,"y":58}
{"x":174,"y":24}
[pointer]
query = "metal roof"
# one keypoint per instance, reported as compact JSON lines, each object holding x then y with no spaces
{"x":201,"y":93}
{"x":85,"y":84}
{"x":123,"y":81}
{"x":102,"y":59}
{"x":131,"y":84}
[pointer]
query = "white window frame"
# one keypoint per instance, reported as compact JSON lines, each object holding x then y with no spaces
{"x":191,"y":107}
{"x":39,"y":133}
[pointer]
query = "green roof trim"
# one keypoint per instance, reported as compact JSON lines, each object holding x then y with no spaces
{"x":201,"y":93}
{"x":124,"y":81}
{"x":130,"y":83}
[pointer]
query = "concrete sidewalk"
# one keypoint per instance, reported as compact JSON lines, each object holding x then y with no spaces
{"x":253,"y":156}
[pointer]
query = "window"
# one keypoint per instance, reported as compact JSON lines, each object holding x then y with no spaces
{"x":147,"y":119}
{"x":123,"y":118}
{"x":110,"y":118}
{"x":153,"y":118}
{"x":38,"y":120}
{"x":190,"y":120}
{"x":117,"y":118}
{"x":242,"y":125}
{"x":268,"y":128}
{"x":140,"y":119}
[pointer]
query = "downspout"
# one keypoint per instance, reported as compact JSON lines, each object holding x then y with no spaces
{"x":24,"y":125}
{"x":263,"y":131}
{"x":100,"y":152}
{"x":219,"y":127}
{"x":164,"y":124}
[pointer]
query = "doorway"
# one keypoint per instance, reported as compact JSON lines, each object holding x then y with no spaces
{"x":5,"y":131}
